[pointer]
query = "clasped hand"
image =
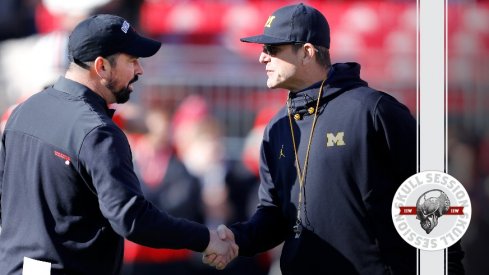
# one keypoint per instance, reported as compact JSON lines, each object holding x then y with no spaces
{"x":222,"y":248}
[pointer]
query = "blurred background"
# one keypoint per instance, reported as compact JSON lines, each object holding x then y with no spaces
{"x":196,"y":118}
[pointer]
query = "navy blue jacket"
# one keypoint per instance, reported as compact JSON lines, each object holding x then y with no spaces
{"x":363,"y":148}
{"x":68,"y":191}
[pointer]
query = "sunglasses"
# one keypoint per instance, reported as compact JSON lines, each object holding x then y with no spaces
{"x":273,"y":50}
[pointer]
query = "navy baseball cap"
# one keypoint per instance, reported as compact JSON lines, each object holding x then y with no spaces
{"x":294,"y":24}
{"x":106,"y":34}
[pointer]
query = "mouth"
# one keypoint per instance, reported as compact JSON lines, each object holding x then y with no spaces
{"x":134,"y":79}
{"x":130,"y":86}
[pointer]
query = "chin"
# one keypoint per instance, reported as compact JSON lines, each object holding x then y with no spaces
{"x":271,"y":85}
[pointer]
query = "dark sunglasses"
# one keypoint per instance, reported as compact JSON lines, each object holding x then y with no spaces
{"x":273,"y":50}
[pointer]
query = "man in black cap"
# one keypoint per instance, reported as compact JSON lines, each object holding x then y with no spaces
{"x":68,"y":191}
{"x":331,"y":160}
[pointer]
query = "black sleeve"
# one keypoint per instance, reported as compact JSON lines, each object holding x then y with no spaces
{"x":106,"y":156}
{"x":264,"y":231}
{"x":267,"y":227}
{"x":395,"y":129}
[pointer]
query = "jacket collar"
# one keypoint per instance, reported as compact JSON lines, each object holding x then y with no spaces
{"x":78,"y":91}
{"x":341,"y":77}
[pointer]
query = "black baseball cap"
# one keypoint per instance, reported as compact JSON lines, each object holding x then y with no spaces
{"x":106,"y":34}
{"x":294,"y":24}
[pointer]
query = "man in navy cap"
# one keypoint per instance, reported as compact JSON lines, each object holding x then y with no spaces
{"x":331,"y":160}
{"x":68,"y":191}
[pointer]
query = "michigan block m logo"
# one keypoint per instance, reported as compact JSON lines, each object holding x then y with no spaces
{"x":268,"y":24}
{"x":333,"y":139}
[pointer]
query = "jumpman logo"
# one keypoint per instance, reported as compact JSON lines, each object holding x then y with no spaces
{"x":281,"y":152}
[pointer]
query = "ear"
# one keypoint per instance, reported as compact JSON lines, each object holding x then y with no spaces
{"x":102,"y":67}
{"x":309,"y":53}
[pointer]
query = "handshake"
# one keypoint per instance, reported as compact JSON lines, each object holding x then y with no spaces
{"x":222,"y":248}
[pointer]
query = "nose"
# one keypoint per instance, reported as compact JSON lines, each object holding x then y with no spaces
{"x":264,"y":58}
{"x":138,"y":68}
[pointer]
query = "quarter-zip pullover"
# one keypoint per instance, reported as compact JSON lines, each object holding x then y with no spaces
{"x":68,"y":191}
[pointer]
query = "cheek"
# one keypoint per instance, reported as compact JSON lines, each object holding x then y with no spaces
{"x":286,"y":71}
{"x":123,"y":79}
{"x":115,"y":77}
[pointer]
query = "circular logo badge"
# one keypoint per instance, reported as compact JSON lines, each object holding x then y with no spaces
{"x":431,"y":210}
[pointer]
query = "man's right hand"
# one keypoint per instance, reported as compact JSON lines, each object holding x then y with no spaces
{"x":222,"y":248}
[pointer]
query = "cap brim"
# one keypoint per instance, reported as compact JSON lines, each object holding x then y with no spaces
{"x":264,"y":39}
{"x":143,"y":47}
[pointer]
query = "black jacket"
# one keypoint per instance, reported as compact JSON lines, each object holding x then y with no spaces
{"x":363,"y":148}
{"x":68,"y":190}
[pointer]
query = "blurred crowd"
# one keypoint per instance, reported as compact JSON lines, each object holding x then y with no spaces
{"x":179,"y":145}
